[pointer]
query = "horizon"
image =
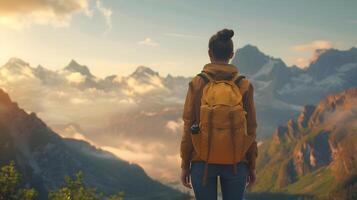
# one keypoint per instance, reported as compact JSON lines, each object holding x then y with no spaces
{"x":114,"y":37}
{"x":153,"y":67}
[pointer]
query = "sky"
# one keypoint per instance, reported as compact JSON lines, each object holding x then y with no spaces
{"x":170,"y":36}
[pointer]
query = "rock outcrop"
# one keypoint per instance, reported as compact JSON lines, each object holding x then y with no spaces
{"x":319,"y":144}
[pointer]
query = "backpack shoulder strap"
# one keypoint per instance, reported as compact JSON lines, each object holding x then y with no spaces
{"x":243,"y":84}
{"x":237,"y":79}
{"x":206,"y":78}
{"x":198,"y":95}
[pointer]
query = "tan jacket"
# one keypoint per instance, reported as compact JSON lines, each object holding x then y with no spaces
{"x":192,"y":105}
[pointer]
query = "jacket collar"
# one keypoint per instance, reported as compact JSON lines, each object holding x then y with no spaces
{"x":213,"y":68}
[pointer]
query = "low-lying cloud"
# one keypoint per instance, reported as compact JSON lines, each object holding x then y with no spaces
{"x":107,"y":113}
{"x":154,"y":157}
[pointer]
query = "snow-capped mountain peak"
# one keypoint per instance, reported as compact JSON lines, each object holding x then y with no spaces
{"x":16,"y":61}
{"x":249,"y":59}
{"x":143,"y":71}
{"x":328,"y":61}
{"x":16,"y":69}
{"x":73,"y":66}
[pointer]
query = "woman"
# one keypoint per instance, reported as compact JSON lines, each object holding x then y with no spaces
{"x":205,"y":155}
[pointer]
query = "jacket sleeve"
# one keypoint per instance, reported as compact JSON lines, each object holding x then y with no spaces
{"x":252,"y":152}
{"x":186,"y":147}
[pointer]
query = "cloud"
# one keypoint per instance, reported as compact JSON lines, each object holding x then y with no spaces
{"x":107,"y":14}
{"x":76,"y":78}
{"x":131,"y":156}
{"x":302,"y":62}
{"x":174,"y":126}
{"x":312,"y":46}
{"x":145,"y":133}
{"x":19,"y":14}
{"x":148,"y":42}
{"x":136,"y":87}
{"x":311,"y":52}
{"x":147,"y":156}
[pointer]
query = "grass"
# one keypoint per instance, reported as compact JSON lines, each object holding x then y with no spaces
{"x":317,"y":183}
{"x":267,"y":178}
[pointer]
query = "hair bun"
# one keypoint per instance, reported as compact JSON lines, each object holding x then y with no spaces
{"x":225,"y":34}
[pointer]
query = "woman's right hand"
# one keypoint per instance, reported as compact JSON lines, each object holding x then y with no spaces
{"x":185,"y":178}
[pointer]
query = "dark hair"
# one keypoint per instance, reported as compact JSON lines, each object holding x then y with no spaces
{"x":221,"y":44}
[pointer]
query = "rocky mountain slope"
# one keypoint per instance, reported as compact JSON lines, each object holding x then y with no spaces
{"x":315,"y":153}
{"x":44,"y":158}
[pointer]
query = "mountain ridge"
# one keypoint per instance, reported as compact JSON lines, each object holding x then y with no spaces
{"x":278,"y":88}
{"x":248,"y":49}
{"x":73,"y":66}
{"x":44,"y":158}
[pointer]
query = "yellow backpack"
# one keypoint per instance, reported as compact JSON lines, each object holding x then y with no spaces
{"x":222,"y":136}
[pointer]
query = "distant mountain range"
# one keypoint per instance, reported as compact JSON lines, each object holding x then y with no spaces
{"x":314,"y":154}
{"x":281,"y":90}
{"x":44,"y":159}
{"x":119,"y":112}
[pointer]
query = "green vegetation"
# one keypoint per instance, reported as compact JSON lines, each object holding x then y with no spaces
{"x":316,"y":183}
{"x":276,"y":178}
{"x":267,"y":178}
{"x":10,"y":181}
{"x":274,"y":175}
{"x":347,"y":190}
{"x":74,"y":188}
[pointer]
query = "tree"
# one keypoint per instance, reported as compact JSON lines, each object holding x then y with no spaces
{"x":119,"y":196}
{"x":10,"y":180}
{"x":74,"y":189}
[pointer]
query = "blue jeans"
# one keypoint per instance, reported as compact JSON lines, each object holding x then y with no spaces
{"x":232,"y":186}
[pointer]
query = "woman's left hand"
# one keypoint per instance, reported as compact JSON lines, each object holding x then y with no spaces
{"x":251,"y":178}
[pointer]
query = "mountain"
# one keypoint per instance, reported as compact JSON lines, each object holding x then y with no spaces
{"x":80,"y":76}
{"x":313,"y":154}
{"x":268,"y":75}
{"x":44,"y":158}
{"x":250,"y":59}
{"x":143,"y":72}
{"x":332,"y":71}
{"x":16,"y":67}
{"x":74,"y":67}
{"x":281,"y":90}
{"x":329,"y":62}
